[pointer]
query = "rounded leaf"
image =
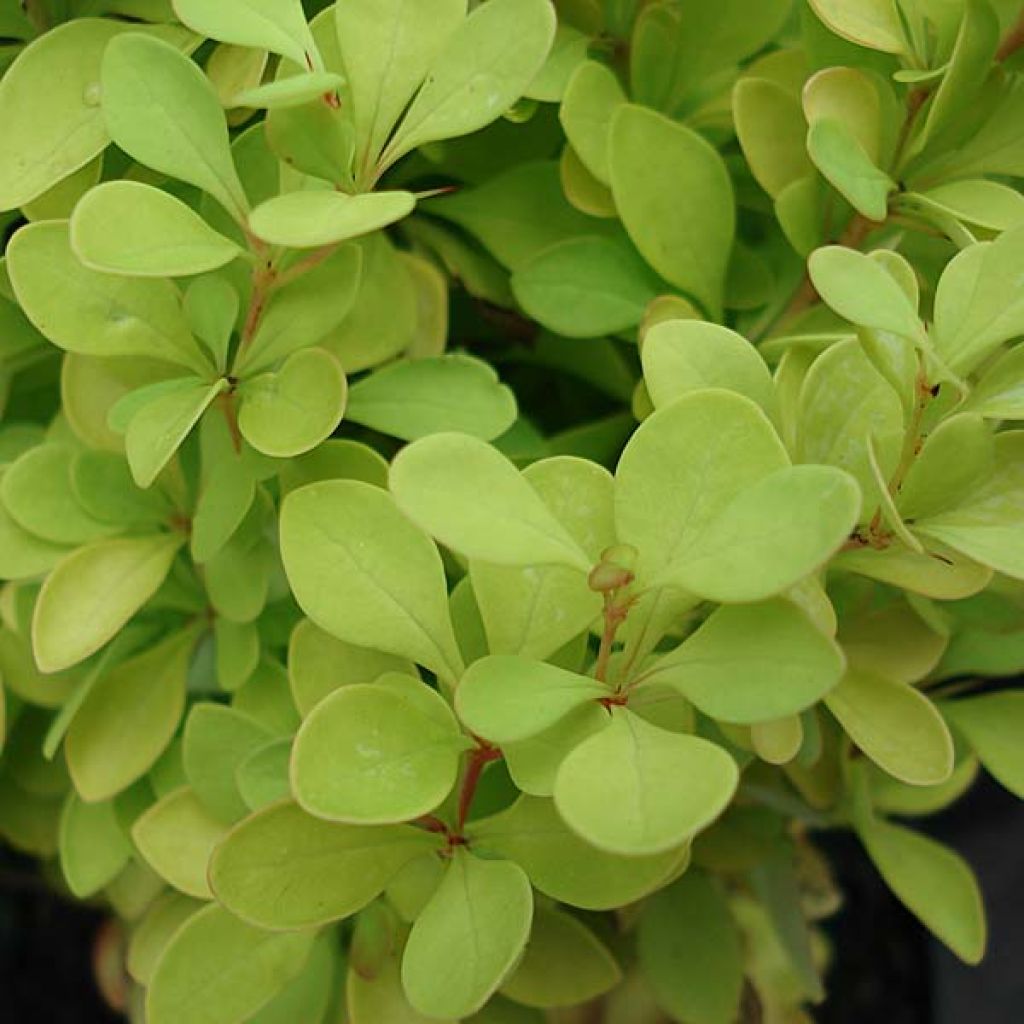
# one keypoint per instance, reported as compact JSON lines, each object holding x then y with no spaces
{"x":283,"y":868}
{"x":633,"y":788}
{"x":505,"y":698}
{"x":897,"y":726}
{"x":219,"y":970}
{"x":292,"y":410}
{"x":93,"y":592}
{"x":376,"y":754}
{"x":362,"y":572}
{"x":468,"y":937}
{"x":126,"y":227}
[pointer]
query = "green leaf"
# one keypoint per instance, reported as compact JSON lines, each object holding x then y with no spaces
{"x":860,"y":290}
{"x":933,"y":882}
{"x":591,"y":97}
{"x":318,"y":664}
{"x":517,"y":214}
{"x":979,"y":202}
{"x":384,"y":320}
{"x":294,"y":91}
{"x":125,"y":227}
{"x":160,"y":426}
{"x":769,"y":536}
{"x":984,"y":526}
{"x":103,"y":485}
{"x":564,"y":964}
{"x":414,"y":398}
{"x":128,"y":718}
{"x":675,"y":199}
{"x":847,"y":95}
{"x":93,"y":592}
{"x":297,"y":315}
{"x":533,"y":763}
{"x":843,"y":401}
{"x":680,"y":356}
{"x":872,"y":23}
{"x":361,"y":571}
{"x":335,"y":459}
{"x":293,"y":409}
{"x":282,"y":868}
{"x":219,"y":969}
{"x":304,"y":220}
{"x":216,"y":741}
{"x":227,"y":488}
{"x":387,"y":49}
{"x":752,"y":663}
{"x":275,"y":25}
{"x":956,"y":458}
{"x":534,"y":611}
{"x":586,"y":287}
{"x":468,"y":937}
{"x":777,"y":886}
{"x":991,"y":723}
{"x":95,"y":314}
{"x":690,"y":951}
{"x":895,"y":725}
{"x":771,"y":128}
{"x":683,"y":466}
{"x":473,"y":500}
{"x":53,"y":124}
{"x":377,"y":754}
{"x":24,"y":555}
{"x":93,"y":846}
{"x":162,"y":111}
{"x":675,"y":52}
{"x":969,"y":66}
{"x":483,"y":67}
{"x":979,"y":303}
{"x":151,"y":934}
{"x":999,"y":394}
{"x":561,"y":865}
{"x":37,"y":493}
{"x":380,"y":998}
{"x":262,"y":777}
{"x":505,"y":698}
{"x":636,"y":789}
{"x":176,"y":836}
{"x":841,"y":158}
{"x":945,"y":576}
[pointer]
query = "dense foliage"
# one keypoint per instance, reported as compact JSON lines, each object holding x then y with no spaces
{"x":482,"y":485}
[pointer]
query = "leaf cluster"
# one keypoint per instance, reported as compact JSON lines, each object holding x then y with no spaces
{"x":483,"y":484}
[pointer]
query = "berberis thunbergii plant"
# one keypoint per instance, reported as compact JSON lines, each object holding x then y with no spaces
{"x":362,"y":686}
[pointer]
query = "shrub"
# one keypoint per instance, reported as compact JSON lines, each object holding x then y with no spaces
{"x":351,"y":677}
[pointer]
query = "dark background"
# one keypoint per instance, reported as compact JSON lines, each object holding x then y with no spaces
{"x":886,"y":969}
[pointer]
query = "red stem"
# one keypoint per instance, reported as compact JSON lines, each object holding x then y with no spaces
{"x":478,"y":760}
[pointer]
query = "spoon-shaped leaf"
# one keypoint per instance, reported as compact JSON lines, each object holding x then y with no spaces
{"x":126,"y":227}
{"x":162,"y":110}
{"x":468,"y":937}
